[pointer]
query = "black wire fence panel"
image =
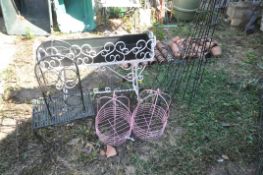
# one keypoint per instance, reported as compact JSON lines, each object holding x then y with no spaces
{"x":183,"y":76}
{"x":259,"y":170}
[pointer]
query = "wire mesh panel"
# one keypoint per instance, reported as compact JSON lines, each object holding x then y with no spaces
{"x":63,"y":99}
{"x":182,"y":76}
{"x":259,"y":170}
{"x":113,"y":120}
{"x":151,"y":114}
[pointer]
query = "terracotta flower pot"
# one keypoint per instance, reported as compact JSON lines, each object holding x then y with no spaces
{"x":216,"y":51}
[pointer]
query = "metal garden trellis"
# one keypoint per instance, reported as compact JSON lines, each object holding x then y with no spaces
{"x":259,"y":169}
{"x":183,"y":76}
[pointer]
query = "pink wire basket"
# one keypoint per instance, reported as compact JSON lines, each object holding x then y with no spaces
{"x":151,"y":114}
{"x":114,"y":119}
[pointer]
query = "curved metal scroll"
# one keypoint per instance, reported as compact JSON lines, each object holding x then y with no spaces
{"x":112,"y":51}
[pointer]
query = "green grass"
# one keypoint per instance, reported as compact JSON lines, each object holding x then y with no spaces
{"x":222,"y":118}
{"x":29,"y":35}
{"x":251,"y":57}
{"x":220,"y":121}
{"x":221,"y":103}
{"x":182,"y":29}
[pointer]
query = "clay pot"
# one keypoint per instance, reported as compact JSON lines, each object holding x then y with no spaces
{"x":158,"y":56}
{"x":175,"y":39}
{"x":175,"y":49}
{"x":216,"y":51}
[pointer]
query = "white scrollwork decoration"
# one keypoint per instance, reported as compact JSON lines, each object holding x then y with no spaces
{"x":126,"y":55}
{"x":111,"y":52}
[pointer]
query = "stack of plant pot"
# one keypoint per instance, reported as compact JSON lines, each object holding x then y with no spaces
{"x":240,"y":12}
{"x":185,"y":9}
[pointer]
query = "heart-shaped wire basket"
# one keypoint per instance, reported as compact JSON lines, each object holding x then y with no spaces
{"x":151,"y":114}
{"x":114,"y":119}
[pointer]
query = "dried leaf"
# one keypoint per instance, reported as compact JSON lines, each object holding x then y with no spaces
{"x":225,"y":157}
{"x":74,"y":142}
{"x":228,"y":124}
{"x":88,"y":148}
{"x":220,"y":160}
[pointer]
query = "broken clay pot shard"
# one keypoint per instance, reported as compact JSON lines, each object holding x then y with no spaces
{"x":110,"y":151}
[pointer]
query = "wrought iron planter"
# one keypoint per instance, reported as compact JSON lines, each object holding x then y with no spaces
{"x":105,"y":53}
